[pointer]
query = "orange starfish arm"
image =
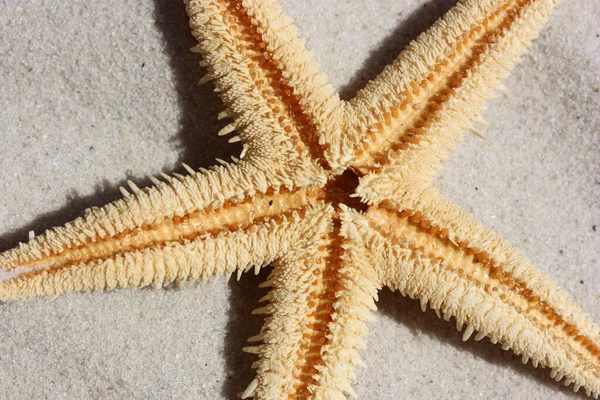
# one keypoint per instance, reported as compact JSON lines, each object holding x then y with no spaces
{"x":321,"y":297}
{"x":268,"y":81}
{"x":417,"y":109}
{"x":190,"y":227}
{"x":428,"y":248}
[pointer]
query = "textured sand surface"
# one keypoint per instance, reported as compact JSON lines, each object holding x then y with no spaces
{"x":95,"y":93}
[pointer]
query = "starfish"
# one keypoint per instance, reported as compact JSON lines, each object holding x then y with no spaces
{"x":337,"y":197}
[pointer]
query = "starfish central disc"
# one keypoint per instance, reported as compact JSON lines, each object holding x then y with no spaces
{"x":341,"y":189}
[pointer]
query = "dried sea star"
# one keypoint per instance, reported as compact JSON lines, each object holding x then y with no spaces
{"x":337,"y":196}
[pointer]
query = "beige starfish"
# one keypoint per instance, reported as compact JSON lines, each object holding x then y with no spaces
{"x":337,"y":197}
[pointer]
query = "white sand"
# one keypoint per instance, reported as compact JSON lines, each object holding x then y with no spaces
{"x":94,"y":93}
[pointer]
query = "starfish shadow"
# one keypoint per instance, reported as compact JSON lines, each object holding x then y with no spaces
{"x":197,"y":137}
{"x":408,"y":312}
{"x":241,"y":325}
{"x":104,"y":192}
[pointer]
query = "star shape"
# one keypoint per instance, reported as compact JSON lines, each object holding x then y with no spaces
{"x":375,"y":215}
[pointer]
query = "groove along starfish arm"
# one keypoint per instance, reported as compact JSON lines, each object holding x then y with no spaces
{"x":337,"y":197}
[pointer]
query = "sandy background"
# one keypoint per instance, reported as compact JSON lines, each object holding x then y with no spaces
{"x":95,"y":93}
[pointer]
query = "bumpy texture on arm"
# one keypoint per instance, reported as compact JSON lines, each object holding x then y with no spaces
{"x":183,"y":229}
{"x":431,"y":250}
{"x":417,"y":109}
{"x":272,"y":88}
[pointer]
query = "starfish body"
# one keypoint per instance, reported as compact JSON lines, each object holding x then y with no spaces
{"x":337,"y":197}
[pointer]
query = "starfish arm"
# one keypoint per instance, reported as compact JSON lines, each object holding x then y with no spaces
{"x":430,"y":249}
{"x":416,"y":110}
{"x":318,"y":305}
{"x":205,"y":224}
{"x":268,"y":81}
